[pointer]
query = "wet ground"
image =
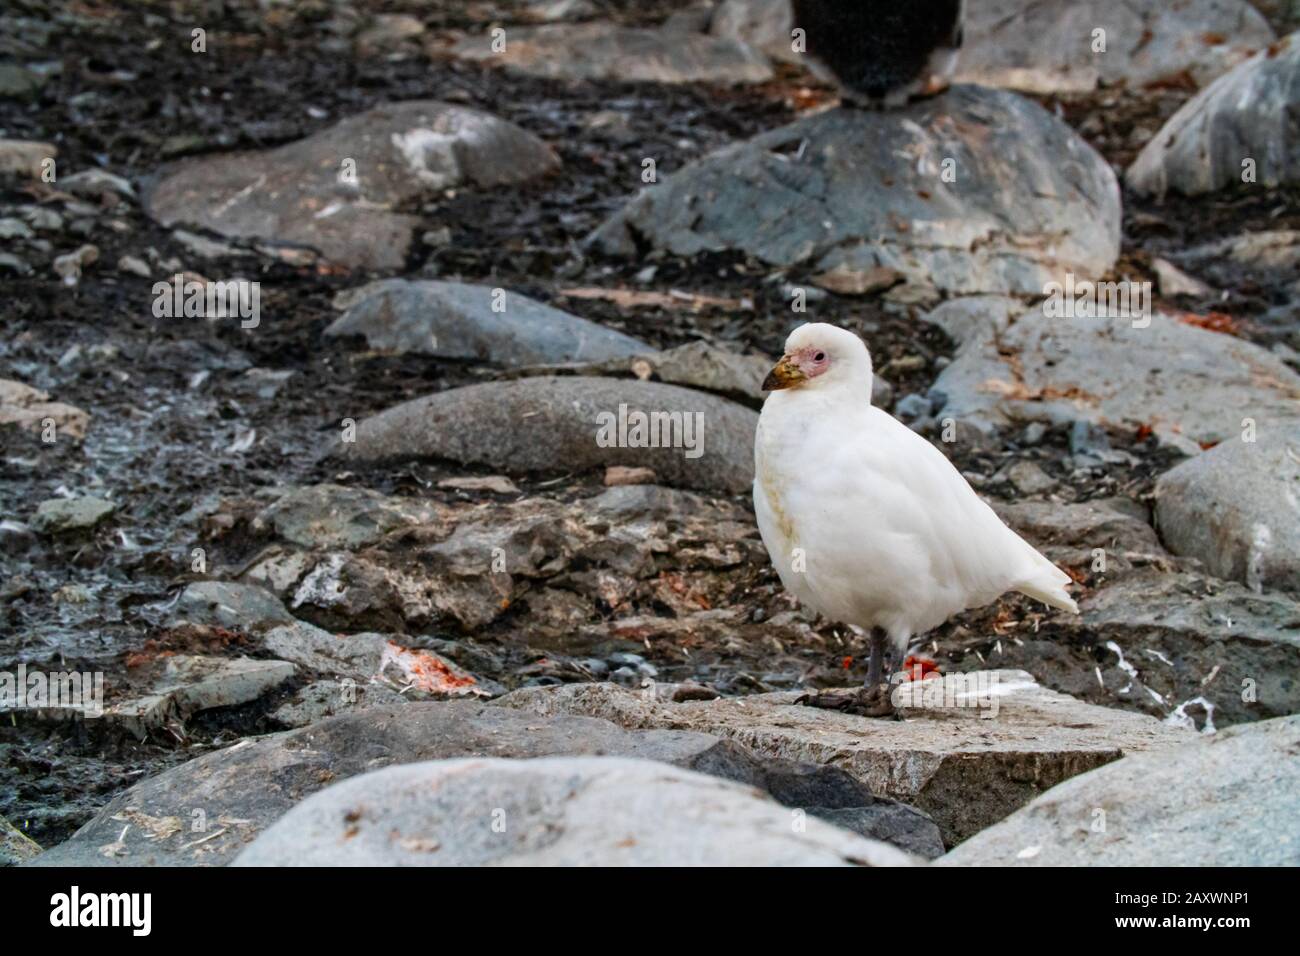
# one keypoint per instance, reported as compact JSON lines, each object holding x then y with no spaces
{"x":172,"y":404}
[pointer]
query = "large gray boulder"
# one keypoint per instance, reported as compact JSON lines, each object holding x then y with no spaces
{"x":477,"y":322}
{"x":560,"y":811}
{"x":1240,"y":129}
{"x":337,"y":190}
{"x":205,"y":811}
{"x":605,"y":51}
{"x":854,"y":191}
{"x":1228,"y":799}
{"x":1051,"y":46}
{"x":1189,"y":385}
{"x":1237,"y":507}
{"x":964,"y":770}
{"x":571,"y":424}
{"x":1190,"y":649}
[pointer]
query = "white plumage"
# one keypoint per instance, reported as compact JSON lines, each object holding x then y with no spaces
{"x":867,"y":522}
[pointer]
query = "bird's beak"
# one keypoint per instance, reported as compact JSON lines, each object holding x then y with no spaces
{"x":785,"y":374}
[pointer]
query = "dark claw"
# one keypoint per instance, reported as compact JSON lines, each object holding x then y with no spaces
{"x":864,"y":702}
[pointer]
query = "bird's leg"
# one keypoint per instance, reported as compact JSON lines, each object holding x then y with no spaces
{"x":875,"y":664}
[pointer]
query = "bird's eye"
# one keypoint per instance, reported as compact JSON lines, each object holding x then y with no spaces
{"x":819,"y":357}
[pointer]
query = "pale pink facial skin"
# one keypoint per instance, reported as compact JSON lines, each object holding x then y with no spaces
{"x":812,"y":361}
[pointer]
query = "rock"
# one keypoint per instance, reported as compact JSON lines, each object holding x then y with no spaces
{"x":605,"y":51}
{"x":1175,"y":282}
{"x":473,"y":322}
{"x":937,"y":762}
{"x":243,"y":789}
{"x":846,"y":280}
{"x":225,"y":604}
{"x":18,"y":82}
{"x":59,"y":515}
{"x":763,"y":24}
{"x":373,"y":657}
{"x":25,"y":159}
{"x":12,"y":263}
{"x":858,"y":190}
{"x":189,"y":684}
{"x":1070,"y":533}
{"x":1269,"y":257}
{"x":93,"y":183}
{"x":1189,"y":385}
{"x":11,"y":228}
{"x":388,"y":31}
{"x":70,"y":265}
{"x":328,"y":698}
{"x":15,"y":846}
{"x":552,"y":11}
{"x":617,"y":476}
{"x":593,"y":811}
{"x":134,"y":266}
{"x":560,"y":557}
{"x":571,"y":424}
{"x":496,"y":484}
{"x":1236,"y":508}
{"x":1168,"y":639}
{"x":1028,"y":478}
{"x":335,"y":516}
{"x":307,"y":192}
{"x":1050,"y":47}
{"x":1145,"y":810}
{"x":1234,"y":131}
{"x":695,"y":365}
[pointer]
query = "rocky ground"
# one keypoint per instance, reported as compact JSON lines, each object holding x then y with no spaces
{"x":383,"y":494}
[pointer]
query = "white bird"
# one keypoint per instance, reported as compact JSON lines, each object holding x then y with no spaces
{"x":866,"y":522}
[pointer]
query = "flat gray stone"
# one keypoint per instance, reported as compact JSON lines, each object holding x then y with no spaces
{"x":15,"y":846}
{"x":557,"y":811}
{"x":1236,"y":508}
{"x":337,"y":516}
{"x":25,"y":159}
{"x":462,"y":321}
{"x":227,"y":604}
{"x":302,"y":193}
{"x":1189,"y":385}
{"x":244,"y":788}
{"x":30,"y":408}
{"x":60,"y":515}
{"x":966,"y":772}
{"x":329,"y":698}
{"x":1245,"y":116}
{"x":553,"y":424}
{"x":1228,"y":799}
{"x":1047,"y":46}
{"x":605,"y":51}
{"x":857,"y":190}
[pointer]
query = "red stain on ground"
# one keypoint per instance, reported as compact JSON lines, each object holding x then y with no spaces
{"x":920,"y":668}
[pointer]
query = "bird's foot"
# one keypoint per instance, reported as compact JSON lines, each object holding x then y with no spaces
{"x":871,"y":701}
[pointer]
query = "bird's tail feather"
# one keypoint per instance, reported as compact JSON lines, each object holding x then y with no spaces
{"x":1048,"y":586}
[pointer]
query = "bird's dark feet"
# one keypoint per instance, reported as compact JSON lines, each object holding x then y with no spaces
{"x":871,"y":701}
